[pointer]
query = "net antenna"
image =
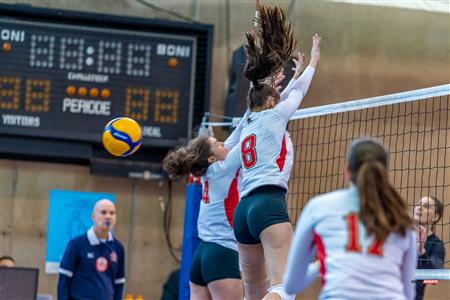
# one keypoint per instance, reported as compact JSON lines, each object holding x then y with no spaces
{"x":206,"y":126}
{"x":257,"y":15}
{"x":415,"y":128}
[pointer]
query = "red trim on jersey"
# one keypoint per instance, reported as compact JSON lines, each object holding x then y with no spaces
{"x":321,"y":255}
{"x":232,"y":199}
{"x":282,"y":158}
{"x":205,"y":195}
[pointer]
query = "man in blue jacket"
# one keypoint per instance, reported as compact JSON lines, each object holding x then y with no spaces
{"x":93,"y":265}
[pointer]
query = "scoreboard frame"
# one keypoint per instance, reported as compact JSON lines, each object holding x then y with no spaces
{"x":66,"y":148}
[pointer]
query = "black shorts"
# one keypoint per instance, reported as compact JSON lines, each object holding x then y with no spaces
{"x":263,"y":207}
{"x":212,"y":262}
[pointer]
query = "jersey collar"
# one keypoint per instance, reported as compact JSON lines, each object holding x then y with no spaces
{"x":93,"y":240}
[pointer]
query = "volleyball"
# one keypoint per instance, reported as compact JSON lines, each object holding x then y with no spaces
{"x":122,"y":136}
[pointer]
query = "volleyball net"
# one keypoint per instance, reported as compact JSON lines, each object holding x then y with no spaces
{"x":415,"y":128}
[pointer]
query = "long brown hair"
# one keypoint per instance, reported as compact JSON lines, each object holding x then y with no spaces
{"x":268,"y":47}
{"x":193,"y":158}
{"x":382,"y":208}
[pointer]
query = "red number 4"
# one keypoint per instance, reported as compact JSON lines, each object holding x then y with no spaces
{"x":353,"y":237}
{"x":248,"y":151}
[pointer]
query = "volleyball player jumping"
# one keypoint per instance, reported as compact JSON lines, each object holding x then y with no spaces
{"x":261,"y":221}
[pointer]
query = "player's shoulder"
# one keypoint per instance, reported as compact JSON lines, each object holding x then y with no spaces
{"x":213,"y":170}
{"x":404,"y":241}
{"x":223,"y":168}
{"x":325,"y":198}
{"x":262,"y":116}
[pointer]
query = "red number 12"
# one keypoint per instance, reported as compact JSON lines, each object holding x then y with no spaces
{"x":353,"y":237}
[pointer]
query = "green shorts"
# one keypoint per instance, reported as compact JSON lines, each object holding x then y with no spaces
{"x":263,"y":207}
{"x":212,"y":262}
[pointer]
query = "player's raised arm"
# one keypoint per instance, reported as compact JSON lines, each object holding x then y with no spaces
{"x":233,"y":139}
{"x":300,"y":86}
{"x":299,"y":66}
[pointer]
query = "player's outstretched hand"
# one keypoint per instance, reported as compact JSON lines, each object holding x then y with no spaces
{"x":299,"y":65}
{"x":315,"y":50}
{"x":278,"y":79}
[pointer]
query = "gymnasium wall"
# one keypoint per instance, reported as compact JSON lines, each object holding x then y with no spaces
{"x":24,"y":195}
{"x":367,"y":51}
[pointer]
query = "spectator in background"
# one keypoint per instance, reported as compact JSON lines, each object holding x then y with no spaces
{"x":7,"y":261}
{"x":430,"y":249}
{"x":93,"y":265}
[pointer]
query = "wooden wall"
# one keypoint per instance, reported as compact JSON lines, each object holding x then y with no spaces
{"x":367,"y":51}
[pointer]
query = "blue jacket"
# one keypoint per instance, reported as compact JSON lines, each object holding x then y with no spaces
{"x":91,"y":269}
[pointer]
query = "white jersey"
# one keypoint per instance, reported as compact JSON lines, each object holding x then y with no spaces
{"x":220,"y":196}
{"x":266,"y":149}
{"x":352,"y":264}
{"x":219,"y":199}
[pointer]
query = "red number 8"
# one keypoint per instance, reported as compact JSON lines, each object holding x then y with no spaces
{"x":248,"y":151}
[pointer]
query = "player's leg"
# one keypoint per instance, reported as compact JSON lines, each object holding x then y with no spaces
{"x":254,"y":273}
{"x":276,"y":241}
{"x":197,"y":285}
{"x":251,"y":255}
{"x":220,"y":269}
{"x":226,"y":289}
{"x":198,"y":292}
{"x":269,"y":221}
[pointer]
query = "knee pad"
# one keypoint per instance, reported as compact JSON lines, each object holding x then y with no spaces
{"x":279,"y":290}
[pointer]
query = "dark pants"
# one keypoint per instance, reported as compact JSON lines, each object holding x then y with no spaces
{"x":212,"y":262}
{"x":263,"y":207}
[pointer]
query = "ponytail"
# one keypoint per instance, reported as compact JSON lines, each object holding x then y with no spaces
{"x":382,"y":209}
{"x":190,"y":159}
{"x":268,"y":47}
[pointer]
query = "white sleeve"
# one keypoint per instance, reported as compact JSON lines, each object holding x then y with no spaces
{"x":234,"y":137}
{"x":311,"y":275}
{"x":297,"y":275}
{"x":298,"y":91}
{"x":232,"y":162}
{"x":409,"y":265}
{"x":285,"y":93}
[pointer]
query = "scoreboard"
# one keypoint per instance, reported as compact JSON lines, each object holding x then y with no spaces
{"x":65,"y":74}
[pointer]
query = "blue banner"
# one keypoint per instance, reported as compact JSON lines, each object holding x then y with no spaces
{"x":69,"y":215}
{"x":190,"y":236}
